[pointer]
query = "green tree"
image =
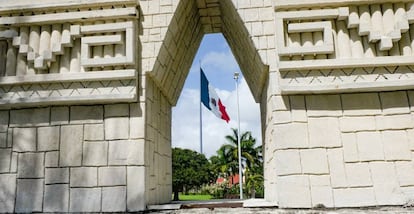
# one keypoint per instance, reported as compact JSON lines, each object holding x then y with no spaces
{"x":190,"y":169}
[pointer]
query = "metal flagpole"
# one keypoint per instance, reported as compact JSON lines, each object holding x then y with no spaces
{"x":201,"y":119}
{"x":236,"y":77}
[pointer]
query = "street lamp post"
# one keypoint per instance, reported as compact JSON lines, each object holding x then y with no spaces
{"x":236,"y":78}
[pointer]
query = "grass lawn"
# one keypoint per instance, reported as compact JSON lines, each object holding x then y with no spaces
{"x":194,"y":197}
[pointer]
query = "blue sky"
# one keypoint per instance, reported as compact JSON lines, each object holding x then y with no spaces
{"x":219,"y":66}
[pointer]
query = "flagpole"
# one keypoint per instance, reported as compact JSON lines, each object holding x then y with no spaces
{"x":236,"y":77}
{"x":201,"y":119}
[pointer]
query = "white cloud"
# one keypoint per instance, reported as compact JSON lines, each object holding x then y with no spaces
{"x":220,"y":61}
{"x":185,"y":120}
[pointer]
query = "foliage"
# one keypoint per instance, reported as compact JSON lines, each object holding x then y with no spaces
{"x":189,"y":170}
{"x":194,"y":197}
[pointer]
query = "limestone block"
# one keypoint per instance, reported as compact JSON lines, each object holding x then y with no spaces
{"x":59,"y":115}
{"x":31,"y":165}
{"x":361,"y":104}
{"x":410,"y":135}
{"x":71,"y":145}
{"x":95,"y":153}
{"x":135,"y":188}
{"x":3,"y":140}
{"x":337,"y":168}
{"x":358,"y":174}
{"x":5,"y":158}
{"x":113,"y":199}
{"x":137,"y":121}
{"x":370,"y":146}
{"x":10,"y":137}
{"x":392,"y":122}
{"x":294,"y":191}
{"x":94,"y":132}
{"x":321,"y":190}
{"x":354,"y":197}
{"x":279,"y":103}
{"x":51,"y":159}
{"x":85,"y":200}
{"x":4,"y":121}
{"x":411,"y":99}
{"x":396,"y":145}
{"x":83,"y":177}
{"x":7,"y":192}
{"x":405,"y":172}
{"x":29,"y":195}
{"x":323,"y":105}
{"x":287,"y":162}
{"x":349,"y":143}
{"x":281,"y":117}
{"x":314,"y":161}
{"x":86,"y":114}
{"x":117,"y":128}
{"x":284,"y":140}
{"x":356,"y":124}
{"x":24,"y":139}
{"x":116,"y":110}
{"x":30,"y":117}
{"x":56,"y":175}
{"x":324,"y":132}
{"x":112,"y":176}
{"x":56,"y":198}
{"x":48,"y":138}
{"x":125,"y":152}
{"x":386,"y":185}
{"x":395,"y":102}
{"x":13,"y":164}
{"x":298,"y":109}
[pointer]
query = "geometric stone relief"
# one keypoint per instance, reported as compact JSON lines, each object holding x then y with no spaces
{"x":45,"y":51}
{"x":362,"y":37}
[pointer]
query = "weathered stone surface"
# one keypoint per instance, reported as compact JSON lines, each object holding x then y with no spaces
{"x":281,"y":117}
{"x":5,"y":158}
{"x":71,"y":145}
{"x":31,"y":165}
{"x":7,"y":192}
{"x":14,"y":160}
{"x":321,"y":190}
{"x":56,"y":175}
{"x":59,"y":115}
{"x":287,"y":162}
{"x":323,"y":105}
{"x":396,"y":145}
{"x":3,"y":140}
{"x":56,"y":198}
{"x":48,"y":138}
{"x":86,"y":114}
{"x":337,"y":168}
{"x":284,"y":140}
{"x":113,"y":199}
{"x":314,"y":161}
{"x":405,"y":172}
{"x":95,"y":153}
{"x":394,"y":102}
{"x":294,"y":191}
{"x":280,"y":103}
{"x":116,"y":128}
{"x":112,"y":176}
{"x":30,"y":117}
{"x":4,"y":121}
{"x":324,"y":132}
{"x":298,"y":109}
{"x":350,"y":147}
{"x":29,"y":195}
{"x":85,"y":200}
{"x":358,"y":174}
{"x":356,"y":124}
{"x":136,"y":121}
{"x":24,"y":139}
{"x":354,"y":197}
{"x":84,"y":177}
{"x":361,"y":104}
{"x":126,"y":152}
{"x":386,"y":185}
{"x":370,"y":146}
{"x":135,"y":188}
{"x":10,"y":137}
{"x":94,"y":132}
{"x":51,"y":159}
{"x":116,"y":110}
{"x":392,"y":122}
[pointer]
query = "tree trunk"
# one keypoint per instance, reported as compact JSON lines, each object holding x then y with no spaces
{"x":176,"y":195}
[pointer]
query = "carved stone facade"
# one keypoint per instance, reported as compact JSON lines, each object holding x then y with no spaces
{"x":86,"y":90}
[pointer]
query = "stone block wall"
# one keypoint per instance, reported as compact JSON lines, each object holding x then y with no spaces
{"x":73,"y":159}
{"x":340,"y":150}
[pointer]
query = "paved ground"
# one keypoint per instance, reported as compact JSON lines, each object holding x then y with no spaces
{"x":262,"y":207}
